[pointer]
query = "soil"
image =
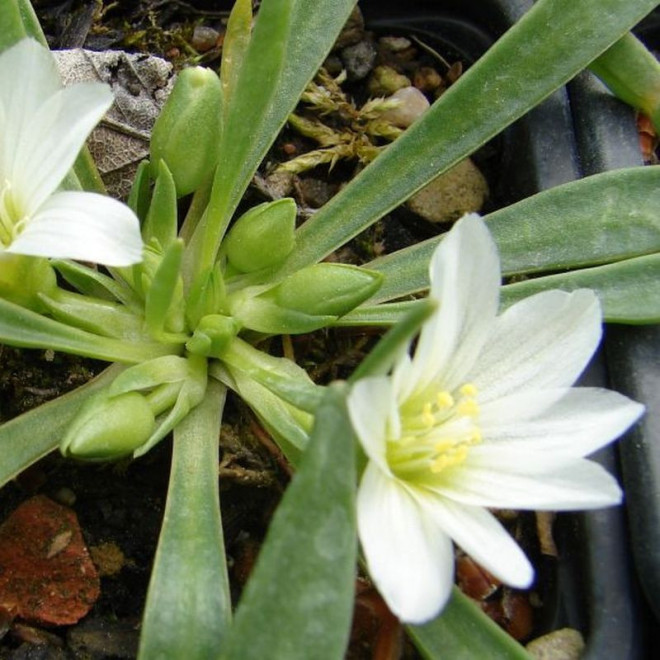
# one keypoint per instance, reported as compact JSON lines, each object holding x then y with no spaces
{"x":120,"y":506}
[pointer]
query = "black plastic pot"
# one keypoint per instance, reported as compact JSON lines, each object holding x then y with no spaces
{"x":574,"y":133}
{"x":608,"y":139}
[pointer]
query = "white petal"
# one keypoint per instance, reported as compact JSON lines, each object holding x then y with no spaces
{"x":465,"y":279}
{"x":85,"y":226}
{"x":28,"y":76}
{"x":519,"y":407}
{"x":582,"y":421}
{"x":581,"y":484}
{"x":49,"y":146}
{"x":482,"y":536}
{"x":544,"y":341}
{"x":369,"y":405}
{"x":409,"y":558}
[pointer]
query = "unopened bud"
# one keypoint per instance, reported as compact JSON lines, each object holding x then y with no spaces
{"x":263,"y":237}
{"x":187,"y":132}
{"x":310,"y":299}
{"x":109,"y":427}
{"x":326,"y":288}
{"x":213,"y":335}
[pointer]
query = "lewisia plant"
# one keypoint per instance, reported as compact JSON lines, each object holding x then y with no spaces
{"x":482,"y":416}
{"x":43,"y":127}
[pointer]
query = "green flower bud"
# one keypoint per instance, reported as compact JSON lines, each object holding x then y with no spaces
{"x":326,"y":288}
{"x":187,"y":132}
{"x":213,"y":335}
{"x":23,"y":279}
{"x":263,"y":237}
{"x":310,"y":299}
{"x":108,"y":427}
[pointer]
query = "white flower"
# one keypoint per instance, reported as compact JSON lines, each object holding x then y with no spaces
{"x":43,"y":126}
{"x":482,"y":416}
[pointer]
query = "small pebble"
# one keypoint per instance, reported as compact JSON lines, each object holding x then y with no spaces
{"x":204,"y":38}
{"x":413,"y":104}
{"x":359,"y":60}
{"x":564,"y":644}
{"x":395,"y":44}
{"x":462,"y":189}
{"x":427,"y":79}
{"x":65,"y":496}
{"x":385,"y":80}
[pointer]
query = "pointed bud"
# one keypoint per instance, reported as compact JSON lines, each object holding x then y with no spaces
{"x":187,"y":132}
{"x":310,"y":299}
{"x":108,"y":428}
{"x":263,"y":237}
{"x":213,"y":335}
{"x":327,"y":288}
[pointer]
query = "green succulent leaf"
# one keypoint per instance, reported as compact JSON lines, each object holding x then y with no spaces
{"x":464,"y":632}
{"x":188,"y":608}
{"x":599,"y":219}
{"x":314,"y":532}
{"x":629,"y":290}
{"x":26,"y":329}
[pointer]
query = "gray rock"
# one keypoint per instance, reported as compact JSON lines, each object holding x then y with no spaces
{"x":359,"y":59}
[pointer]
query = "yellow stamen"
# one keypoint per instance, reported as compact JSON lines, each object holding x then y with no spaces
{"x":444,"y":400}
{"x":468,"y":390}
{"x":468,"y":407}
{"x":455,"y":456}
{"x":427,"y":415}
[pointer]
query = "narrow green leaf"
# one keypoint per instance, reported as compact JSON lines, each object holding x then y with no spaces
{"x":291,"y":39}
{"x":163,"y":291}
{"x":26,"y":329}
{"x":288,"y":425}
{"x":382,"y":314}
{"x":464,"y":632}
{"x":91,"y":282}
{"x":25,"y":439}
{"x":161,"y":220}
{"x":298,"y":602}
{"x":188,"y":605}
{"x":140,"y":196}
{"x":13,"y":14}
{"x":516,"y":74}
{"x":280,"y":375}
{"x":629,"y":290}
{"x":633,"y":74}
{"x":95,"y":315}
{"x":601,"y":218}
{"x":234,"y":48}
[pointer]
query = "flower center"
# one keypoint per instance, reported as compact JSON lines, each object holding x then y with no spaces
{"x":435,"y":435}
{"x":9,"y":227}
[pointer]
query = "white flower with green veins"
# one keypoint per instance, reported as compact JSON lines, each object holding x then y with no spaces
{"x":43,"y":127}
{"x":483,"y":416}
